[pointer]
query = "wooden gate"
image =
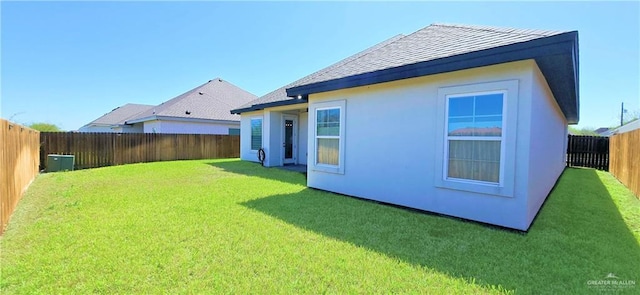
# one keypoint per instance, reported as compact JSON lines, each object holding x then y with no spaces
{"x":588,"y":151}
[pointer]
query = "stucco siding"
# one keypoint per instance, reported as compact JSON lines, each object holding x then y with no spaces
{"x":391,"y":143}
{"x":547,"y":144}
{"x":183,"y":127}
{"x":246,"y":153}
{"x":135,"y":128}
{"x":96,"y":128}
{"x":152,"y":126}
{"x":303,"y":120}
{"x":272,"y":138}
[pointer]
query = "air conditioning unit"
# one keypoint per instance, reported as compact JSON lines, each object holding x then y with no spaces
{"x":60,"y":163}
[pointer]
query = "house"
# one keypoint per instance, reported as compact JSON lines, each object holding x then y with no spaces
{"x":466,"y":121}
{"x":114,"y":121}
{"x":202,"y":110}
{"x":604,"y":131}
{"x":630,"y":126}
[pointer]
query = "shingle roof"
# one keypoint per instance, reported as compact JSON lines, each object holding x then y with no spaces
{"x":441,"y":48}
{"x":212,"y":100}
{"x":280,"y":94}
{"x":430,"y":43}
{"x":120,"y":114}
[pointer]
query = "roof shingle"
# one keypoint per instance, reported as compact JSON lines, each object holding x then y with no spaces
{"x":280,"y":94}
{"x":120,"y":114}
{"x":432,"y":44}
{"x":212,"y":100}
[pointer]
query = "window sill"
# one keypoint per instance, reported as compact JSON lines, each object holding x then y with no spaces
{"x":327,"y":169}
{"x":474,"y":182}
{"x":479,"y":187}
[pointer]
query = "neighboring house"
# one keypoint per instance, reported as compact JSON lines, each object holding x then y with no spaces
{"x":466,"y":121}
{"x":114,"y":121}
{"x":202,"y":110}
{"x":604,"y":131}
{"x":633,"y":125}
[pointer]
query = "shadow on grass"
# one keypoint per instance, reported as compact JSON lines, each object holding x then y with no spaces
{"x":256,"y":170}
{"x":578,"y":236}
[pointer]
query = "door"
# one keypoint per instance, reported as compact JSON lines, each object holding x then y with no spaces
{"x":290,"y":139}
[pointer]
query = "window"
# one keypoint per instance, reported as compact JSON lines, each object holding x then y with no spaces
{"x":474,"y":137}
{"x":256,"y":134}
{"x":476,"y":128}
{"x":328,"y":119}
{"x":328,"y":136}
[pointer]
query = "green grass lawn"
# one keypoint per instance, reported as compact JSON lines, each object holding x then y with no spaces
{"x":227,"y":226}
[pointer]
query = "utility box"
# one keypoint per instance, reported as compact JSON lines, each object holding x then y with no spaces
{"x":60,"y":162}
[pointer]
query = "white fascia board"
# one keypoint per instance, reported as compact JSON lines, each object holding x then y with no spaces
{"x":181,"y":119}
{"x":143,"y":119}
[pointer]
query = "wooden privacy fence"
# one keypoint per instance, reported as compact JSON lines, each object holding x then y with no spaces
{"x":106,"y":149}
{"x":625,"y":159}
{"x":588,"y":151}
{"x":19,"y":161}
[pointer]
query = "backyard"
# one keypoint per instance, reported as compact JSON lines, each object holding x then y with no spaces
{"x":226,"y":226}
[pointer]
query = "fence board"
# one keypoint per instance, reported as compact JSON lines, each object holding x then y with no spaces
{"x":19,"y":161}
{"x":588,"y":151}
{"x":625,"y":159}
{"x":93,"y":150}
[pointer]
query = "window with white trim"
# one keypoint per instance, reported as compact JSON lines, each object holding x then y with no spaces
{"x":256,"y":134}
{"x":474,"y":144}
{"x":327,"y":119}
{"x":328,"y":136}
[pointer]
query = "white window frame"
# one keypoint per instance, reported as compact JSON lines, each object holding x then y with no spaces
{"x":251,"y":133}
{"x":314,"y":108}
{"x":501,"y":138}
{"x":506,"y":185}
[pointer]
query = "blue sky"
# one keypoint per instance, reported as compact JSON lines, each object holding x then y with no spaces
{"x":68,"y":63}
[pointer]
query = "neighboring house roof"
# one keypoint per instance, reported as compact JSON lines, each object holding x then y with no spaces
{"x":120,"y":114}
{"x":607,"y":133}
{"x":210,"y":101}
{"x":604,"y":131}
{"x":441,"y":48}
{"x":633,"y":125}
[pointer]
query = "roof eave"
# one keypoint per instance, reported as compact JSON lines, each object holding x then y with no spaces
{"x":175,"y":118}
{"x":262,"y":106}
{"x":141,"y":119}
{"x":198,"y":120}
{"x":557,"y":57}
